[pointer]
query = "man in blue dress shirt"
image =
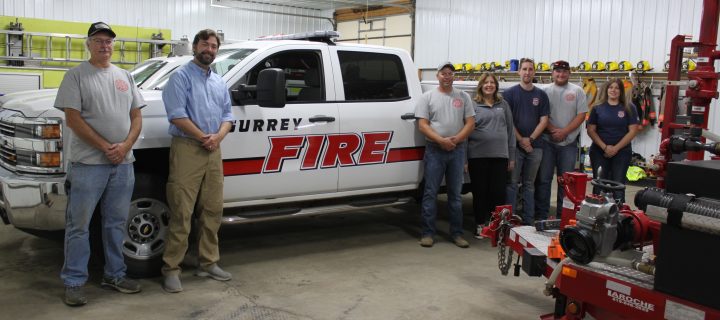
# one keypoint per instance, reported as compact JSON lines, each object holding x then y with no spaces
{"x":198,"y":109}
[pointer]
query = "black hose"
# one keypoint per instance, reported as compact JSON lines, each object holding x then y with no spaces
{"x":686,"y":203}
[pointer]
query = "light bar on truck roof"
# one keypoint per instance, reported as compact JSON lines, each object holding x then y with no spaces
{"x":322,"y":36}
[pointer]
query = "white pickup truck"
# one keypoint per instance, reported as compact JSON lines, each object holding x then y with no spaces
{"x":319,"y":127}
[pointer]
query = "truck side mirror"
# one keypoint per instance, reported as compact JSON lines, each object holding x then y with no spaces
{"x":271,"y":88}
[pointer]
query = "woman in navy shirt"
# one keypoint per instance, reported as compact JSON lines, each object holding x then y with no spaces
{"x":612,"y":125}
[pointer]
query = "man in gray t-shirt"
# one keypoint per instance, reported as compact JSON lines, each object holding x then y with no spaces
{"x":568,"y":106}
{"x":446,"y":117}
{"x":102,"y":109}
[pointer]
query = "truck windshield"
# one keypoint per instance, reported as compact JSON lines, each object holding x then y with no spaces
{"x":223,"y":63}
{"x":146,"y":69}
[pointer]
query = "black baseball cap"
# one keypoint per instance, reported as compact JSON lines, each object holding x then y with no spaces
{"x":561,"y":65}
{"x":98,"y":27}
{"x":446,"y":64}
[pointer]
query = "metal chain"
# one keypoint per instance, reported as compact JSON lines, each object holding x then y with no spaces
{"x":505,"y":254}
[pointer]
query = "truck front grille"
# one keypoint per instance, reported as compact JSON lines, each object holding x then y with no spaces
{"x":30,"y":145}
{"x":8,"y":155}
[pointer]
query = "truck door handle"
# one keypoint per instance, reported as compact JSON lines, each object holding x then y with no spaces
{"x":322,"y":118}
{"x":408,"y":116}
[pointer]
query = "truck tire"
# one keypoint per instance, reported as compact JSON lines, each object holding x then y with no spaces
{"x":146,"y":227}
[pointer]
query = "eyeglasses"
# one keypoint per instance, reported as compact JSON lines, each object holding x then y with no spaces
{"x":106,"y":42}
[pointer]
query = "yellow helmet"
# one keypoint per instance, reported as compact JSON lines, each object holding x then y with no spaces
{"x":542,"y":66}
{"x":507,"y":64}
{"x":486,"y":66}
{"x":689,"y":65}
{"x":612,"y":66}
{"x":643,"y":65}
{"x":496,"y":65}
{"x":467,"y":67}
{"x":626,"y":66}
{"x":478,"y":67}
{"x":598,"y":66}
{"x":584,"y":66}
{"x":458,"y":67}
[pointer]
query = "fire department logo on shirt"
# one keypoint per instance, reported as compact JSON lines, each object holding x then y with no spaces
{"x":457,"y":103}
{"x":570,"y":97}
{"x":621,"y":114}
{"x":121,"y":85}
{"x":536,"y":101}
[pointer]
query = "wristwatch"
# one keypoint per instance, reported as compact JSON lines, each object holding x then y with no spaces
{"x":531,"y":139}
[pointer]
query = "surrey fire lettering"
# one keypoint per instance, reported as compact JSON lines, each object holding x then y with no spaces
{"x":345,"y":149}
{"x":260,"y":125}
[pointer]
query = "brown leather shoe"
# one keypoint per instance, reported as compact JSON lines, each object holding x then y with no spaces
{"x":460,"y":242}
{"x":427,"y":242}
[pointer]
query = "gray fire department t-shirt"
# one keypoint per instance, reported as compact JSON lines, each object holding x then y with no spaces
{"x":104,"y":97}
{"x":445,"y":111}
{"x":566,"y":103}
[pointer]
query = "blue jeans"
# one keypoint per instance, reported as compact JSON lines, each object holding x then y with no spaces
{"x":614,"y":168}
{"x":525,"y":171}
{"x":554,"y":157}
{"x":438,"y":164}
{"x":112,"y":186}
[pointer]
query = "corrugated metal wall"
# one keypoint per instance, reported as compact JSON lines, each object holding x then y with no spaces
{"x":476,"y":31}
{"x":547,"y":30}
{"x":183,"y":17}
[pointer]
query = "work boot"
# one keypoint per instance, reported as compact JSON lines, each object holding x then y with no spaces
{"x":123,"y":284}
{"x":172,"y":284}
{"x":213,"y":271}
{"x":460,"y":242}
{"x":75,"y":296}
{"x":427,"y":241}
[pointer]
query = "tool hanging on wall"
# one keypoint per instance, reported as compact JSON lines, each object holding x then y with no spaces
{"x":590,"y":88}
{"x":643,"y":100}
{"x":662,"y":107}
{"x":628,"y":86}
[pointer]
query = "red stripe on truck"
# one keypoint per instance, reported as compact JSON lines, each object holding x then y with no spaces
{"x":236,"y":167}
{"x":405,"y":154}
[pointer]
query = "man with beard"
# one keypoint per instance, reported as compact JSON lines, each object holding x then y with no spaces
{"x":198,"y":108}
{"x":446,"y":116}
{"x":102,"y":108}
{"x":568,"y":107}
{"x":529,"y":105}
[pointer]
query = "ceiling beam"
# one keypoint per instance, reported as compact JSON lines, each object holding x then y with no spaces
{"x":362,"y":12}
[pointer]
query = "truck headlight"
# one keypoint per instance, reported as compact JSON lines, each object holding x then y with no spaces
{"x":48,"y":131}
{"x":47,"y":159}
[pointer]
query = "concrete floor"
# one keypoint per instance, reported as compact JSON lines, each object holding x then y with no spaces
{"x":357,"y":265}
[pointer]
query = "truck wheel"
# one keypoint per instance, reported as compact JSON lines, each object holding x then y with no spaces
{"x":146,"y":227}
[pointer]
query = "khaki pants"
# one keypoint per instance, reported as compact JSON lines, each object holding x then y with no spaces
{"x":195,"y":174}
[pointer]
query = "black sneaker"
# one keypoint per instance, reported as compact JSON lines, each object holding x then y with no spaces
{"x":75,"y":296}
{"x":123,"y":285}
{"x":478,"y":232}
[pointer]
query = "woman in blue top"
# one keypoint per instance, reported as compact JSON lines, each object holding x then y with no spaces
{"x":612,"y":125}
{"x":491,"y":150}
